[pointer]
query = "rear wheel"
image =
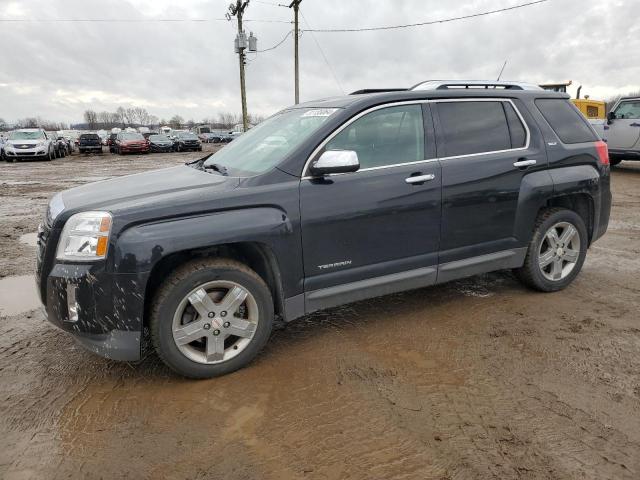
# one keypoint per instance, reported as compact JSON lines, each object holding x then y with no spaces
{"x":556,"y":252}
{"x":211,"y":317}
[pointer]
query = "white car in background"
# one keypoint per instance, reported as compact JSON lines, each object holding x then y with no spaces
{"x":29,"y":144}
{"x":623,"y":132}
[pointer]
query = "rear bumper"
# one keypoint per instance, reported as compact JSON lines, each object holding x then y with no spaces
{"x":109,"y":308}
{"x":90,"y":148}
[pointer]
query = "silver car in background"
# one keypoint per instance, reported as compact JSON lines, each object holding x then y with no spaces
{"x":29,"y":144}
{"x":623,"y":132}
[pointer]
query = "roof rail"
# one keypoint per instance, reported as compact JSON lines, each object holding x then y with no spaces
{"x":473,"y":84}
{"x":377,"y":90}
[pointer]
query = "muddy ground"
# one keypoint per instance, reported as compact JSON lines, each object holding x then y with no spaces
{"x":476,"y":379}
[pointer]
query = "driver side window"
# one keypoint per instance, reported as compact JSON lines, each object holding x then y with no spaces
{"x":384,"y":137}
{"x":628,"y":110}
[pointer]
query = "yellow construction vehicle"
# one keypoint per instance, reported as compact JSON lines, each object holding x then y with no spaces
{"x":592,"y":109}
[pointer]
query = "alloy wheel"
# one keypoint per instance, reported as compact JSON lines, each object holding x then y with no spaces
{"x":559,"y":251}
{"x":215,"y":322}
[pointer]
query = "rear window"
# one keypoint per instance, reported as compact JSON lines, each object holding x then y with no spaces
{"x":480,"y":127}
{"x":566,"y":120}
{"x":92,"y":136}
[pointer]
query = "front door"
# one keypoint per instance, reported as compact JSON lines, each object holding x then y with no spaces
{"x":624,"y":130}
{"x":376,"y":221}
{"x":485,"y":150}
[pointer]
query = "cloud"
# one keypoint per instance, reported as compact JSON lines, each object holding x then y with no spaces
{"x":56,"y":70}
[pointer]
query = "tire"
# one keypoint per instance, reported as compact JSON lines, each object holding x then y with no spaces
{"x":51,"y":156}
{"x":614,"y":161}
{"x":544,"y":278}
{"x":119,"y":151}
{"x":172,"y":305}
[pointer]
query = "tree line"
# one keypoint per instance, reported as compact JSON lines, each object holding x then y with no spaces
{"x":138,"y":116}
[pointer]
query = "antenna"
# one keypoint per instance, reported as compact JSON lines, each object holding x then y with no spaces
{"x":501,"y":70}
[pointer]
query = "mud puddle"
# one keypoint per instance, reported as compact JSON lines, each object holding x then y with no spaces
{"x":18,"y":295}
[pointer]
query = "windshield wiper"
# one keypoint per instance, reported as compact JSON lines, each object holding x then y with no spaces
{"x":221,"y":169}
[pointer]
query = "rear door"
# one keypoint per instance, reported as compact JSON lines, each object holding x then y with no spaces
{"x":374,"y":222}
{"x":485,"y":150}
{"x":624,"y":130}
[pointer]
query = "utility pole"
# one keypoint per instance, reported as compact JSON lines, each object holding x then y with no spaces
{"x":295,"y":4}
{"x":237,"y":11}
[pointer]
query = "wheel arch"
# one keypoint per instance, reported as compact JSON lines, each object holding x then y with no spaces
{"x":256,"y":255}
{"x":579,"y":202}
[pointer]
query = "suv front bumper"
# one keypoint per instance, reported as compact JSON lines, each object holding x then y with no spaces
{"x":26,"y":153}
{"x":103,"y":311}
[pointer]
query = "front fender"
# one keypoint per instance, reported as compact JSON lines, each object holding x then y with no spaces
{"x":139,"y":248}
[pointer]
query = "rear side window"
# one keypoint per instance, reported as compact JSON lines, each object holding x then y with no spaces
{"x":566,"y":121}
{"x":479,"y":127}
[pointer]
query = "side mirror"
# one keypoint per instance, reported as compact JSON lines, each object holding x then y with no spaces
{"x":335,"y":161}
{"x":611,"y":116}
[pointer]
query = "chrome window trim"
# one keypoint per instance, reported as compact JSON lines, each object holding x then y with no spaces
{"x":305,"y":170}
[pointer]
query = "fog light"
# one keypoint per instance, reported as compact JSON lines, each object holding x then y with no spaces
{"x":72,"y":304}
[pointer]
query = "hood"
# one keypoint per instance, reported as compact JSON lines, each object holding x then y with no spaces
{"x":157,"y":189}
{"x":127,"y":142}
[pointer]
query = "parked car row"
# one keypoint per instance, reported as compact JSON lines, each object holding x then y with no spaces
{"x":133,"y":142}
{"x":217,"y":137}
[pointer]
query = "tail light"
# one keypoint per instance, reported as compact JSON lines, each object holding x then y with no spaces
{"x":603,"y":152}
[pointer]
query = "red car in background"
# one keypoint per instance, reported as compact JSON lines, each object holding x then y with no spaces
{"x":131,"y":142}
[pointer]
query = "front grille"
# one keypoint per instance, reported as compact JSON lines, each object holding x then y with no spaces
{"x":24,"y":146}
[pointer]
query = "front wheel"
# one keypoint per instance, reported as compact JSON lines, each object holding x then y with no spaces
{"x":556,"y":252}
{"x":211,"y":317}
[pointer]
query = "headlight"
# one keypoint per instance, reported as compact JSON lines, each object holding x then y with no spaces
{"x":40,"y":144}
{"x":85,"y":237}
{"x":56,"y":205}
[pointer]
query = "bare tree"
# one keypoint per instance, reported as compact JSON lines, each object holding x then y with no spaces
{"x":3,"y":124}
{"x":228,"y":120}
{"x":176,"y":122}
{"x":91,"y":119}
{"x":122,"y":116}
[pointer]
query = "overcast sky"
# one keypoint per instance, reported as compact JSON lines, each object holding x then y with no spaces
{"x":56,"y":70}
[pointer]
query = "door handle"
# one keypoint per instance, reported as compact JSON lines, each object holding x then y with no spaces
{"x":524,"y":163}
{"x":420,"y":178}
{"x":635,"y":124}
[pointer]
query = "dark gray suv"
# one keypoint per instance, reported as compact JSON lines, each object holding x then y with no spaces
{"x":322,"y":204}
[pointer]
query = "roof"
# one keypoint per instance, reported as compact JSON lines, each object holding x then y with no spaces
{"x":370,"y":99}
{"x":474,"y":84}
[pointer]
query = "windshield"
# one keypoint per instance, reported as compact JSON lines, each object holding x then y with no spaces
{"x":26,"y":136}
{"x":188,"y":136}
{"x":267,"y":144}
{"x":132,"y":136}
{"x":159,"y":138}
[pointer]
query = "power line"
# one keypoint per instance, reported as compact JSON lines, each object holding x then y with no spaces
{"x":131,"y":20}
{"x":430,"y":22}
{"x":277,"y":44}
{"x":333,"y":73}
